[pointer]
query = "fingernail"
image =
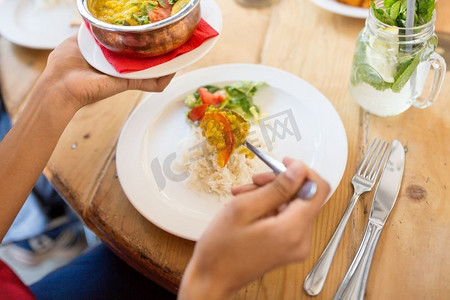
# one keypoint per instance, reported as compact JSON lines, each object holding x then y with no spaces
{"x":294,"y":170}
{"x":308,"y":190}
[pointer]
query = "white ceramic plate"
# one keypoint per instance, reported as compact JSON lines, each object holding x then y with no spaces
{"x":342,"y":9}
{"x":149,"y":139}
{"x":25,"y":23}
{"x":94,"y":56}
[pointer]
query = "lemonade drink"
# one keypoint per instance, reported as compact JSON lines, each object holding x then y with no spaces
{"x":391,"y":63}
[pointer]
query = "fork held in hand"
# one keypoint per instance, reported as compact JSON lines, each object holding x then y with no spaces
{"x":363,"y":181}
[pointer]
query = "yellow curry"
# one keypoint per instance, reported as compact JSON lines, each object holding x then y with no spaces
{"x":135,"y":12}
{"x":226,"y":130}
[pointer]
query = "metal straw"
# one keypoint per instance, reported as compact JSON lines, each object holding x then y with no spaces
{"x":410,"y":10}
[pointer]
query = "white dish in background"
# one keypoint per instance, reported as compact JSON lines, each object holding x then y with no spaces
{"x":342,"y":9}
{"x":25,"y":23}
{"x":151,"y":135}
{"x":94,"y":55}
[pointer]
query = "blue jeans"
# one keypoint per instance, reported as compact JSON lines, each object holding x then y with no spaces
{"x":98,"y":274}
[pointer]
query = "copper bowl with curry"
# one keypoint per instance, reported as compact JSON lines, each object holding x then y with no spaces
{"x":141,"y":28}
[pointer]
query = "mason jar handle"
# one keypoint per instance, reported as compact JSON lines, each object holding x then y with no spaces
{"x":439,"y":67}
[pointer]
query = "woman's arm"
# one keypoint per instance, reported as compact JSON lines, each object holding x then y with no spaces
{"x":67,"y":84}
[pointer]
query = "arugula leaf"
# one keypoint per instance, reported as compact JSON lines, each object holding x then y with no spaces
{"x":161,"y":3}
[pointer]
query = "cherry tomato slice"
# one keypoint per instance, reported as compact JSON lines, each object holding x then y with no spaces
{"x":198,"y":112}
{"x":160,"y":13}
{"x":211,"y":98}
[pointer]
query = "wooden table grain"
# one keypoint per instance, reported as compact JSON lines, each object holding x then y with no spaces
{"x":411,"y":260}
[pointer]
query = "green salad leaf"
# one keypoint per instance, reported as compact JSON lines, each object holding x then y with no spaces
{"x":237,"y":96}
{"x":240,"y":96}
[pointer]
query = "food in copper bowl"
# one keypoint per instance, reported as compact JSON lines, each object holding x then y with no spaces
{"x":140,"y":28}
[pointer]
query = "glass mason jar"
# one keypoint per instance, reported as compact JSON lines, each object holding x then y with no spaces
{"x":391,"y":65}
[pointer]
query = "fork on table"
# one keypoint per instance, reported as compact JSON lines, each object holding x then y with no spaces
{"x":363,"y":181}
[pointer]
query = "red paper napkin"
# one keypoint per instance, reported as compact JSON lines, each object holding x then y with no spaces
{"x":124,"y":64}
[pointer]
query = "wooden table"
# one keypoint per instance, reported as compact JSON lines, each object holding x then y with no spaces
{"x":412,"y":259}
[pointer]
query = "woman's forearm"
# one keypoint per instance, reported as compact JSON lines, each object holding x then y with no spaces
{"x":28,"y":146}
{"x":67,"y":84}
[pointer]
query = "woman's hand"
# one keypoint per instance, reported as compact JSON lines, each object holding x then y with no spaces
{"x":68,"y":74}
{"x":251,"y":236}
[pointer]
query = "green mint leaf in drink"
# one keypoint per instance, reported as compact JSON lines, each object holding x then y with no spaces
{"x":424,"y":11}
{"x":382,"y":15}
{"x":389,"y":3}
{"x":393,"y":12}
{"x":391,"y":61}
{"x":364,"y":72}
{"x":404,"y":73}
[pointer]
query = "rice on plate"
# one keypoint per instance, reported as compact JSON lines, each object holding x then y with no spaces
{"x":199,"y":159}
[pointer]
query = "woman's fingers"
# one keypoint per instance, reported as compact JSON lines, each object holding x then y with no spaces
{"x":258,"y":180}
{"x":300,"y":209}
{"x":270,"y":194}
{"x":150,"y":85}
{"x":261,"y":201}
{"x":263,"y":178}
{"x":243,"y":189}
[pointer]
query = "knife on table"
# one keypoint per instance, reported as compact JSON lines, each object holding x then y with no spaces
{"x":354,"y":283}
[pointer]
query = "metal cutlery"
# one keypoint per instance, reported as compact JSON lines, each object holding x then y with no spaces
{"x":354,"y":282}
{"x":307,"y":190}
{"x":363,"y":181}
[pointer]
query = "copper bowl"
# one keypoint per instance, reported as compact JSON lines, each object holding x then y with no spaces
{"x":144,"y":40}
